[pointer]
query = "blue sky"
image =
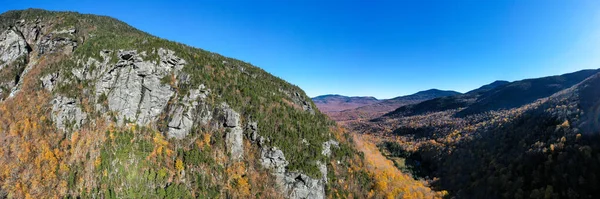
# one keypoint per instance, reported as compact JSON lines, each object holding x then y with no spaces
{"x":374,"y":47}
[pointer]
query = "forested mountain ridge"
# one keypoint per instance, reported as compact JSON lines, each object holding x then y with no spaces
{"x":547,"y":148}
{"x":335,"y":103}
{"x":380,"y":107}
{"x":91,"y":107}
{"x":497,"y":95}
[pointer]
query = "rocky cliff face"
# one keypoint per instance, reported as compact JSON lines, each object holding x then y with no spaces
{"x":113,"y":74}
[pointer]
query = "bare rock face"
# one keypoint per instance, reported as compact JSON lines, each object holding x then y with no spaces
{"x":31,"y":30}
{"x":134,"y":88}
{"x":24,"y":39}
{"x":273,"y":158}
{"x":12,"y":46}
{"x":58,"y":41}
{"x":301,"y":186}
{"x":17,"y":87}
{"x":235,"y":133}
{"x":191,"y":109}
{"x":66,"y":113}
{"x":295,"y":185}
{"x":253,"y":136}
{"x":49,"y":81}
{"x":299,"y":100}
{"x":234,"y":139}
{"x":231,"y":118}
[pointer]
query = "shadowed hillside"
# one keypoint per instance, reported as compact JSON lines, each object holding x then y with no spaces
{"x":545,"y":148}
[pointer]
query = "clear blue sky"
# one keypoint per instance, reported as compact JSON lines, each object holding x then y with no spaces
{"x":374,"y":48}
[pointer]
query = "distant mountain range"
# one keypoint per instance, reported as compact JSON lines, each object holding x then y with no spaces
{"x":343,"y":108}
{"x":334,"y":103}
{"x":497,"y":95}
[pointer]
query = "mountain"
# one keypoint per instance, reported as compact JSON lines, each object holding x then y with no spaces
{"x":547,"y":150}
{"x":526,"y":91}
{"x":335,"y":103}
{"x":496,"y":96}
{"x":542,"y":143}
{"x":487,"y":87}
{"x":383,"y":106}
{"x":91,"y":107}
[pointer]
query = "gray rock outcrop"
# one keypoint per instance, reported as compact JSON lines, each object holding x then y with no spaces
{"x":234,"y":132}
{"x":299,"y":100}
{"x":134,"y":88}
{"x":17,"y":87}
{"x":253,"y":135}
{"x":295,"y":185}
{"x":49,"y":81}
{"x":301,"y":186}
{"x":24,"y":37}
{"x":58,"y":41}
{"x":12,"y":46}
{"x":327,"y":147}
{"x":67,"y":113}
{"x":273,"y":158}
{"x":190,"y":110}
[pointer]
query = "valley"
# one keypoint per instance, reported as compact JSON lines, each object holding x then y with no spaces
{"x":346,"y":109}
{"x":535,"y":138}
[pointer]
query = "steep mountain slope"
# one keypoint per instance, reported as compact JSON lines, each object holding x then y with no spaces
{"x":384,"y":106}
{"x":550,"y":150}
{"x":334,"y":103}
{"x":496,"y":96}
{"x":544,"y":149}
{"x":91,"y":107}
